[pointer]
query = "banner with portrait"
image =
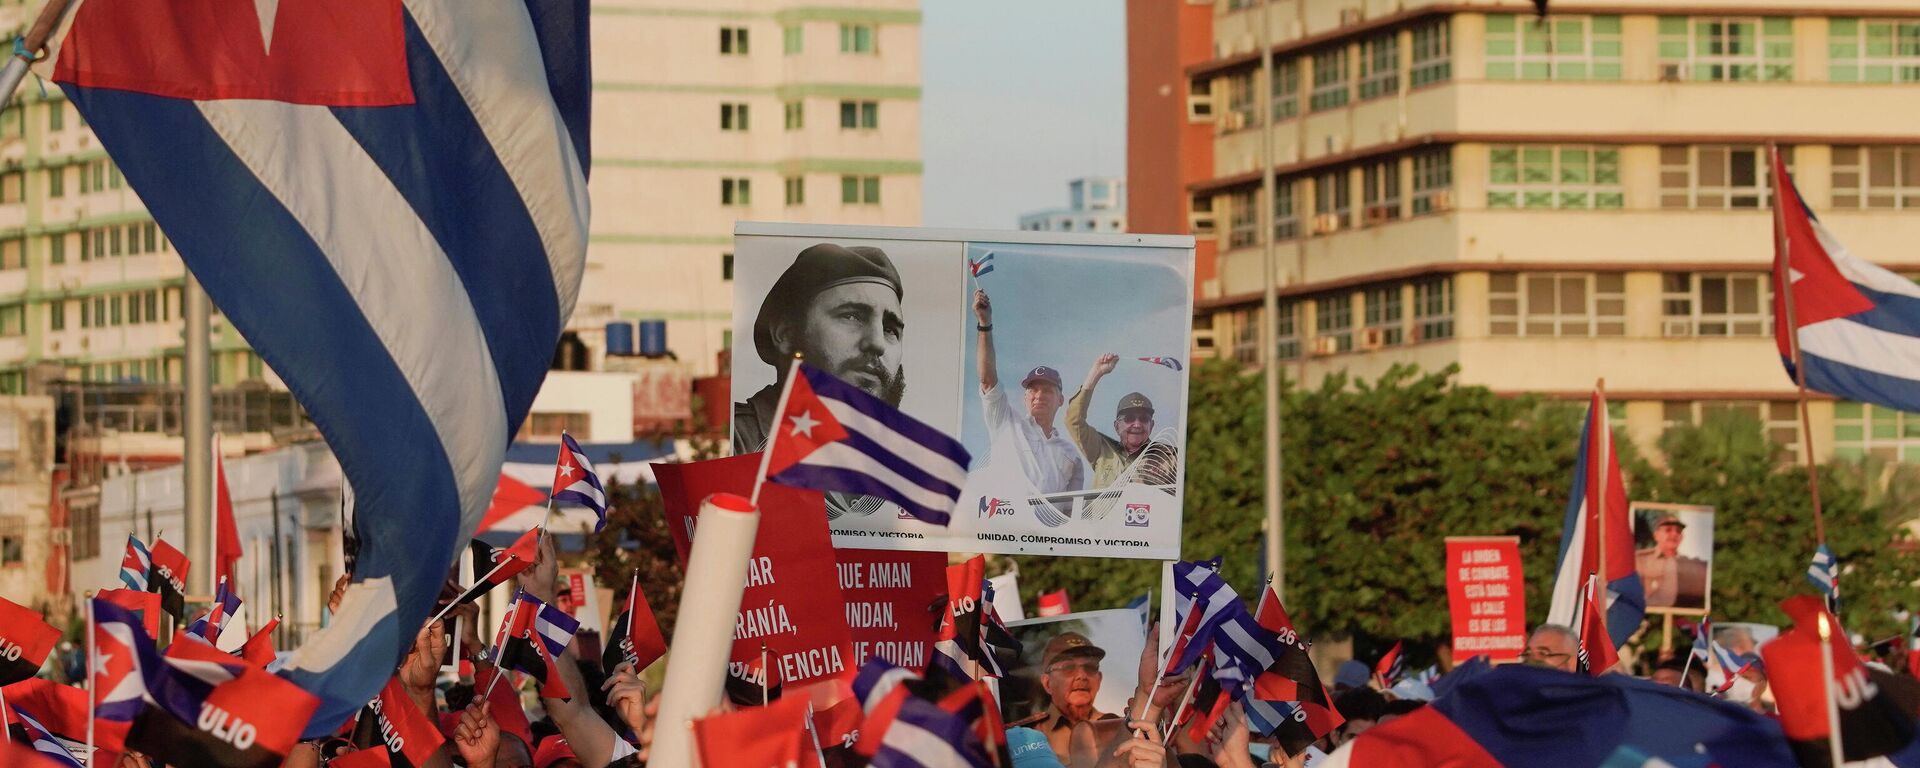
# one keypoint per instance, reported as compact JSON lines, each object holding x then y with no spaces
{"x":1058,"y":360}
{"x":1673,"y":553}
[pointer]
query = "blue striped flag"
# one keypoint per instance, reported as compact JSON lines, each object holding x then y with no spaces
{"x":50,"y":747}
{"x":833,"y":436}
{"x":135,"y":564}
{"x":1597,"y":486}
{"x":225,"y":604}
{"x":574,"y":480}
{"x":392,"y":210}
{"x":981,"y":267}
{"x":1824,"y":574}
{"x":901,"y":730}
{"x":1203,"y":603}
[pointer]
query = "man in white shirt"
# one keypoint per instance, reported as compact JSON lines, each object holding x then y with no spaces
{"x":1046,"y":455}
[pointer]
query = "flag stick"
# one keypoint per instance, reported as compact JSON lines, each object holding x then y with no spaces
{"x":1687,"y":667}
{"x":3,"y":709}
{"x":450,"y":606}
{"x":779,"y":412}
{"x":1186,"y":698}
{"x":818,"y":755}
{"x":33,"y":43}
{"x":763,"y":675}
{"x":1782,"y":271}
{"x":498,"y":668}
{"x":1602,"y":476}
{"x":1834,"y":746}
{"x":92,"y":700}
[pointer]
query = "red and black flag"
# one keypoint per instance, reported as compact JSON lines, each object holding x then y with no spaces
{"x":505,"y":700}
{"x":392,"y":722}
{"x":635,"y":634}
{"x":1292,"y":678}
{"x":169,"y":578}
{"x":25,"y":641}
{"x":498,"y":566}
{"x":1871,"y":721}
{"x":206,"y":708}
{"x":536,"y":635}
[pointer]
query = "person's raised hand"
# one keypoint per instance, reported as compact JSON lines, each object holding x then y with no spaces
{"x":339,"y":591}
{"x":477,"y":737}
{"x":627,"y":694}
{"x":423,"y":662}
{"x":982,"y":307}
{"x":1105,"y":363}
{"x":1144,"y":749}
{"x":644,"y":736}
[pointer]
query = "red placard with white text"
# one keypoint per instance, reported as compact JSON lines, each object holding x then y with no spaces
{"x":1485,"y":597}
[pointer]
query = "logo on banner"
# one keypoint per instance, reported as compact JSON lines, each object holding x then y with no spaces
{"x":1137,"y":514}
{"x":991,"y":508}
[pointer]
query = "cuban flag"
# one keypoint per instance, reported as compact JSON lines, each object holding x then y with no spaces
{"x":981,"y":267}
{"x":123,"y":662}
{"x":1172,"y":363}
{"x":388,"y":199}
{"x":834,"y":437}
{"x":1823,"y":574}
{"x":1389,"y":668}
{"x":1203,"y":602}
{"x":44,"y":742}
{"x":135,"y":564}
{"x":1858,"y":326}
{"x":1596,"y":485}
{"x":1708,"y":651}
{"x":225,"y":604}
{"x":574,"y":480}
{"x":209,"y":709}
{"x":902,"y":730}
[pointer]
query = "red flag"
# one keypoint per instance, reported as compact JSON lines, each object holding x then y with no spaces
{"x":258,"y":649}
{"x":636,"y":633}
{"x":226,"y":550}
{"x":773,"y":736}
{"x":1594,"y":641}
{"x":507,"y":563}
{"x":146,"y":605}
{"x":505,"y":699}
{"x":1387,"y":669}
{"x":1870,"y":721}
{"x":1055,"y":604}
{"x":25,"y":641}
{"x":1293,"y":678}
{"x":251,"y":718}
{"x":523,"y":645}
{"x":63,"y":710}
{"x":509,"y":497}
{"x":169,"y":577}
{"x":408,"y":731}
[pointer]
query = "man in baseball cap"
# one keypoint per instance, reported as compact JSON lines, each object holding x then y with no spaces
{"x":839,"y":307}
{"x":1046,"y":455}
{"x":1070,"y":674}
{"x":1133,"y":422}
{"x":1671,"y":579}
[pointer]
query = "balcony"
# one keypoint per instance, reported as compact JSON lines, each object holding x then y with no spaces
{"x":1634,"y":367}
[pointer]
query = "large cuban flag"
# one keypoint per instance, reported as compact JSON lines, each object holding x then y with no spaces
{"x":1859,"y":325}
{"x":1597,"y":488}
{"x":388,"y":199}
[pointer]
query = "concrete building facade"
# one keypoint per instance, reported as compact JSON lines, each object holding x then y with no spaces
{"x":1549,"y":202}
{"x":1094,"y":204}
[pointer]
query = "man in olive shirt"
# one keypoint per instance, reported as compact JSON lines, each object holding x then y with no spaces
{"x":1070,"y":674}
{"x":1133,"y":422}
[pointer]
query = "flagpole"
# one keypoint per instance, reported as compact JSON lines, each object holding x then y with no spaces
{"x":1783,"y":271}
{"x":32,"y":44}
{"x":92,"y":699}
{"x":450,"y":606}
{"x":1186,"y":698}
{"x":763,"y":673}
{"x":3,"y":709}
{"x":499,"y":643}
{"x":1834,"y":747}
{"x":1601,"y":466}
{"x":779,"y":412}
{"x":1687,"y":667}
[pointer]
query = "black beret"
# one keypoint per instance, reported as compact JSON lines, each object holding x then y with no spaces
{"x":816,"y":269}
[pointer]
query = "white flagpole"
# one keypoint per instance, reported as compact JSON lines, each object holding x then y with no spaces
{"x":1834,"y":746}
{"x":450,"y":606}
{"x":92,"y":699}
{"x":779,"y":412}
{"x":3,"y":709}
{"x":763,"y":675}
{"x":1684,"y":668}
{"x":500,"y":669}
{"x":815,"y":736}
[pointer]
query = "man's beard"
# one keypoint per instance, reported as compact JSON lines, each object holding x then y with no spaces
{"x":892,"y":387}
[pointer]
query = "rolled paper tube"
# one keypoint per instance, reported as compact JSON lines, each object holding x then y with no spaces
{"x":703,"y":635}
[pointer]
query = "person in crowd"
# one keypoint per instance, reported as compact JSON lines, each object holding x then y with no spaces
{"x":1399,"y":708}
{"x":1351,"y":674}
{"x":1554,"y":647}
{"x":1070,"y":674}
{"x":1362,"y":707}
{"x":1675,"y":671}
{"x":1671,"y":579}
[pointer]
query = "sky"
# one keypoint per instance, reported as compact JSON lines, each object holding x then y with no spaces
{"x":1018,"y":97}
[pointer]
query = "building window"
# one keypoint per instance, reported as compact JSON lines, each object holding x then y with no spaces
{"x":1286,"y":89}
{"x":792,"y":38}
{"x":1876,"y":177}
{"x":1433,"y":309}
{"x":733,"y":116}
{"x":860,"y":190}
{"x":1861,"y":430}
{"x":736,"y":191}
{"x":56,"y":315}
{"x":1380,"y":66}
{"x":1240,"y":103}
{"x":1286,"y":209}
{"x":13,"y":540}
{"x":863,"y":115}
{"x":1715,"y":176}
{"x":856,"y":38}
{"x":1329,"y":79}
{"x":1383,"y":316}
{"x":56,"y":116}
{"x":733,"y":41}
{"x":13,"y":253}
{"x":548,"y":426}
{"x":84,"y":520}
{"x":1547,"y":176}
{"x":1561,"y":48}
{"x":1245,"y":325}
{"x":1873,"y":50}
{"x":1721,"y":49}
{"x":1737,"y":304}
{"x":1432,"y":181}
{"x":57,"y":181}
{"x":1333,"y":323}
{"x":1332,"y":201}
{"x":1557,"y":304}
{"x":13,"y":187}
{"x":726,"y":267}
{"x":1432,"y":59}
{"x":13,"y":320}
{"x":1779,"y":419}
{"x":57,"y":248}
{"x":1380,"y":190}
{"x":796,"y":190}
{"x":1286,"y":331}
{"x":1243,"y":218}
{"x":796,"y":115}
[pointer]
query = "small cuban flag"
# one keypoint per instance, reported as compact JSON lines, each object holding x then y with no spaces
{"x":575,"y":481}
{"x":135,"y":565}
{"x":225,"y":604}
{"x":981,"y":267}
{"x":1166,"y":362}
{"x":1824,"y":574}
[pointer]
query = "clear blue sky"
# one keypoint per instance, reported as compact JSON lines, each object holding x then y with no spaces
{"x":1019,"y":96}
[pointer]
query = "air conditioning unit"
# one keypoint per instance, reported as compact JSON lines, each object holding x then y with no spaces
{"x":1379,"y":214}
{"x":1233,"y":121}
{"x":1326,"y":223}
{"x":1442,"y":200}
{"x":1199,"y":106}
{"x":1373,"y":338}
{"x":1325,"y":345}
{"x":1352,"y":16}
{"x":1673,"y":72}
{"x":1673,"y":328}
{"x":1201,"y":223}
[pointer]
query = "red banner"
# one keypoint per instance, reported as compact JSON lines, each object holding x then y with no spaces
{"x":890,"y":608}
{"x":792,"y":603}
{"x":1484,"y":595}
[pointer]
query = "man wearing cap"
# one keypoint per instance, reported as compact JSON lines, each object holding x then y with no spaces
{"x":839,"y":307}
{"x":1046,"y":455}
{"x":1070,"y":674}
{"x":1672,"y":580}
{"x":1133,"y":422}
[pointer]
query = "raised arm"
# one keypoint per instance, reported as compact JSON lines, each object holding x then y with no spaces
{"x":983,"y":312}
